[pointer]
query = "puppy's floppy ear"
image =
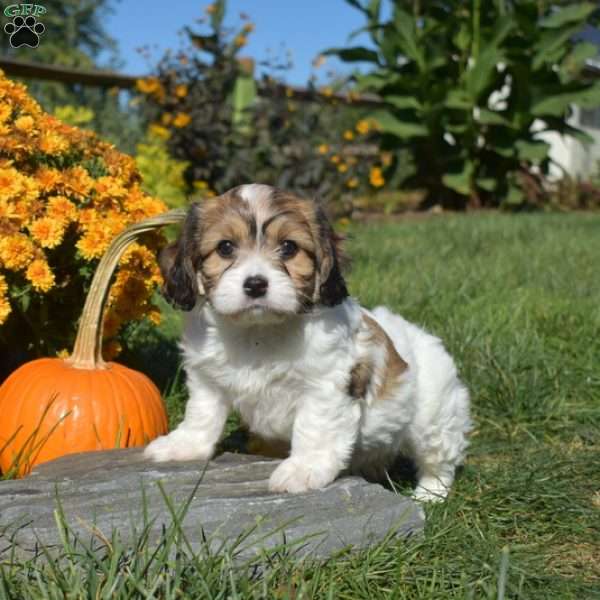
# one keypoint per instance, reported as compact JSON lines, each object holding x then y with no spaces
{"x":181,"y":286}
{"x":330,"y":288}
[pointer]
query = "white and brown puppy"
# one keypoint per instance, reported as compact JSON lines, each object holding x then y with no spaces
{"x":272,"y":332}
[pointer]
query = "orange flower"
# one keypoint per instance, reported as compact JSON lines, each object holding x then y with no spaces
{"x":248,"y":28}
{"x":348,"y":135}
{"x":181,"y":90}
{"x":5,"y":308}
{"x":16,"y":251}
{"x":61,"y":209}
{"x":94,"y":242}
{"x":40,"y":275}
{"x":48,"y":179}
{"x":240,"y":40}
{"x":363,"y":126}
{"x":24,"y":123}
{"x":182,"y":120}
{"x":342,"y":167}
{"x":47,"y":232}
{"x":376,"y":177}
{"x":352,"y":183}
{"x":78,"y":182}
{"x":52,"y":143}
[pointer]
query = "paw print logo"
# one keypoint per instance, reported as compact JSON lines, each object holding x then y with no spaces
{"x":24,"y":32}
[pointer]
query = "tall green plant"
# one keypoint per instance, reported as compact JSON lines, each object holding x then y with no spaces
{"x":462,"y":84}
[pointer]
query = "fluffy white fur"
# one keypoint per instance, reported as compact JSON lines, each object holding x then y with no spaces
{"x":287,"y":374}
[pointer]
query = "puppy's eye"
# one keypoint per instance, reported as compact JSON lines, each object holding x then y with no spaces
{"x":225,"y":248}
{"x":288,"y":248}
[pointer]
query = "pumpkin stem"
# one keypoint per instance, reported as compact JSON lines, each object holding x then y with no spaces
{"x":87,"y":352}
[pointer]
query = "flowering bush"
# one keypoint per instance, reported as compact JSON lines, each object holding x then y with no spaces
{"x":64,"y":194}
{"x":203,"y":102}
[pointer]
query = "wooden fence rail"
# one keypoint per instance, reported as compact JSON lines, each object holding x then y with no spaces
{"x":35,"y":70}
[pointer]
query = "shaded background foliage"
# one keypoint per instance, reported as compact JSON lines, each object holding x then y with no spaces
{"x":469,"y":87}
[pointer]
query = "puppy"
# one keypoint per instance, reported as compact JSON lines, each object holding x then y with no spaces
{"x":272,"y":332}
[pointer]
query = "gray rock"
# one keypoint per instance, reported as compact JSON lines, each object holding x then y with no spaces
{"x":118,"y":491}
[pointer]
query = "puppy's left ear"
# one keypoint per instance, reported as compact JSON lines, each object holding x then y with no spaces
{"x":330,"y":288}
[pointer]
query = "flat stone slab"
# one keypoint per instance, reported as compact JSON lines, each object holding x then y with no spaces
{"x":119,"y":491}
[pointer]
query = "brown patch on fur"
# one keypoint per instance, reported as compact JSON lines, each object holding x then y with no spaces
{"x":362,"y":373}
{"x":360,"y":379}
{"x":289,"y":225}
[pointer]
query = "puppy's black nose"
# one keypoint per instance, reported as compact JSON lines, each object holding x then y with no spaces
{"x":256,"y":286}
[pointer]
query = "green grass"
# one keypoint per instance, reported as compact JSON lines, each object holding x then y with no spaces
{"x":517,"y":301}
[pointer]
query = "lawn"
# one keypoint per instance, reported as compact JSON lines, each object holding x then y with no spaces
{"x":516,"y":299}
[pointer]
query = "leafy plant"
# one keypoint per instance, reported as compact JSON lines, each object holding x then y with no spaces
{"x":470,"y":87}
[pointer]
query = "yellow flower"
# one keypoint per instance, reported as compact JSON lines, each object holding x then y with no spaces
{"x":24,"y":123}
{"x":352,"y":183}
{"x":5,"y":308}
{"x":323,"y":149}
{"x":166,"y":119}
{"x":363,"y":126}
{"x":210,"y":9}
{"x":97,"y":237}
{"x":5,"y":111}
{"x":154,"y":317}
{"x":52,"y":143}
{"x":148,"y":85}
{"x":181,"y":90}
{"x":77,"y":182}
{"x":48,"y":179}
{"x":348,"y":135}
{"x":159,"y":131}
{"x":248,"y":28}
{"x":16,"y":251}
{"x":182,"y":120}
{"x":327,"y":91}
{"x":240,"y":40}
{"x":342,"y":167}
{"x":376,"y":177}
{"x":40,"y":275}
{"x":335,"y":159}
{"x":200,"y":184}
{"x":47,"y":232}
{"x":386,"y":159}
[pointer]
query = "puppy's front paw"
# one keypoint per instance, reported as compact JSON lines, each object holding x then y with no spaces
{"x":297,"y":475}
{"x":178,"y":445}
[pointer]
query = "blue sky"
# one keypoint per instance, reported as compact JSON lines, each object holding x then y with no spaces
{"x":304,"y":27}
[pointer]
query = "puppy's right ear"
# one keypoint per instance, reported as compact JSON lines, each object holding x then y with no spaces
{"x":177,"y":264}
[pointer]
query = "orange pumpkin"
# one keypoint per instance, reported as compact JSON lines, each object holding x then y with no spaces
{"x":51,"y":406}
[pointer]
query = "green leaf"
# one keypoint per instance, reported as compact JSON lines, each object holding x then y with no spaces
{"x":458,"y":99}
{"x":588,"y":97}
{"x":492,"y":117}
{"x":575,"y":60}
{"x":577,"y":13}
{"x":550,"y":43}
{"x":515,"y":196}
{"x":402,"y":129}
{"x":406,"y":28}
{"x":489,"y":184}
{"x":372,"y":81}
{"x":403,"y":102}
{"x":480,"y":75}
{"x":460,"y":182}
{"x":533,"y":151}
{"x":355,"y":54}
